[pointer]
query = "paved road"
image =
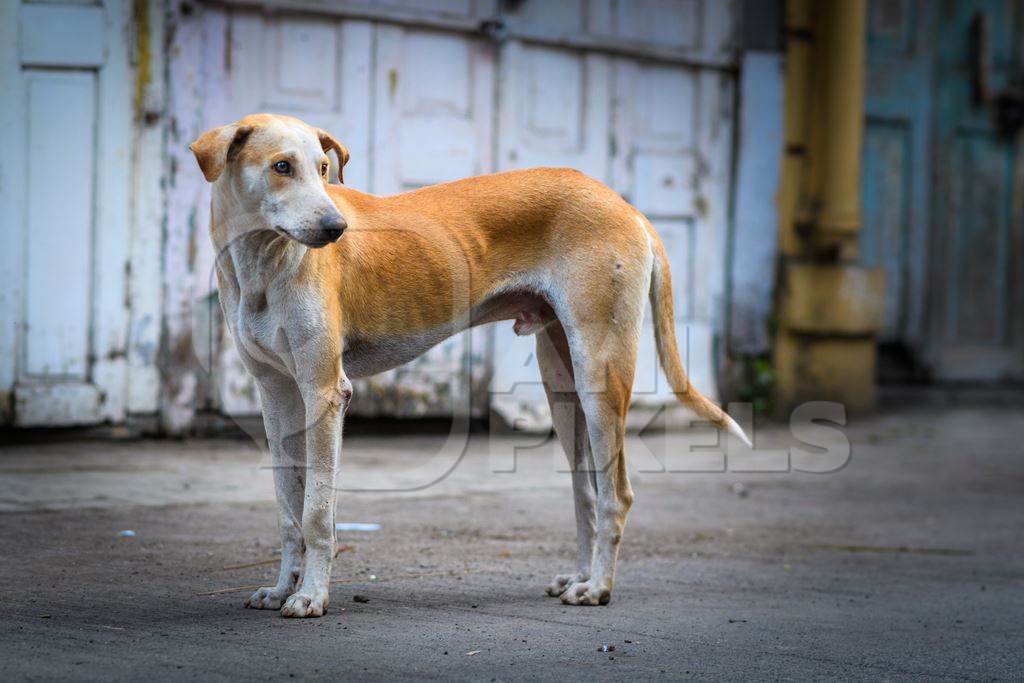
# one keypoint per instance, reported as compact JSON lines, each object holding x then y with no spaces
{"x":907,"y":563}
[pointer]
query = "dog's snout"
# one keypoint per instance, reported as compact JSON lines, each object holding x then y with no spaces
{"x":332,"y":225}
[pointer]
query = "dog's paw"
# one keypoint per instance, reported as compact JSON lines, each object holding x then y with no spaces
{"x":563,"y":581}
{"x":586,"y":593}
{"x":270,"y":597}
{"x":305,"y":604}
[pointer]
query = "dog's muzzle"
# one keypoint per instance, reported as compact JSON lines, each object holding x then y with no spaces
{"x":328,"y":229}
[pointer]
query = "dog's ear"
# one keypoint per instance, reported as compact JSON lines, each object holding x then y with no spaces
{"x":328,"y":141}
{"x":217,"y":146}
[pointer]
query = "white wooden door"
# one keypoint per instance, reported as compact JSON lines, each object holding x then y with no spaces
{"x":555,"y":111}
{"x":413,"y":106}
{"x":317,"y":68}
{"x":66,"y":128}
{"x":433,"y":122}
{"x":671,"y":160}
{"x":657,"y":132}
{"x":421,"y":97}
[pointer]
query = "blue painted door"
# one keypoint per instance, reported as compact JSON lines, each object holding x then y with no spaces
{"x":976,"y":308}
{"x":944,"y":183}
{"x":896,"y":168}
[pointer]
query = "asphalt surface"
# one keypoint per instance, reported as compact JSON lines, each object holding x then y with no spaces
{"x":907,"y":563}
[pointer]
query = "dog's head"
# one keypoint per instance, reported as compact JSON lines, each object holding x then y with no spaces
{"x":274,"y":169}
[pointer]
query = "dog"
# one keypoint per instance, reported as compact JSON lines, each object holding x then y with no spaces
{"x":320,"y":283}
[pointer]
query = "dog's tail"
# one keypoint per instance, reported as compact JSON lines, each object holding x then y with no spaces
{"x":668,"y":349}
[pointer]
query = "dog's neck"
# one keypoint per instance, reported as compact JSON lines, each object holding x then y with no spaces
{"x":255,"y":257}
{"x":262,"y":258}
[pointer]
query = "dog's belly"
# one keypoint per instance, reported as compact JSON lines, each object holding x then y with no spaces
{"x":364,"y":356}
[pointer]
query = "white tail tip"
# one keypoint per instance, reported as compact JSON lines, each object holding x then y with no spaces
{"x":737,"y":431}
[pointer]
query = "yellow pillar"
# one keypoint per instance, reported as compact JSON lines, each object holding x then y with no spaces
{"x":829,"y":307}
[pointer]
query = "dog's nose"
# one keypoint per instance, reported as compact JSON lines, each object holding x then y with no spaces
{"x":332,"y":226}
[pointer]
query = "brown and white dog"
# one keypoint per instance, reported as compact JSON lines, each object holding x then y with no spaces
{"x":557,"y":252}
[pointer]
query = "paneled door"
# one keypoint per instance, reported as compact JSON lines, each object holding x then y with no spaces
{"x":66,"y":127}
{"x":942,"y":179}
{"x":673,"y":130}
{"x":636,"y":94}
{"x":976,"y":283}
{"x":414,"y":107}
{"x":657,"y":132}
{"x":897,"y":161}
{"x":555,"y":111}
{"x":325,"y":81}
{"x":432,"y":123}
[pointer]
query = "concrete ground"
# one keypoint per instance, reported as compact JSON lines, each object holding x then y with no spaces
{"x":907,"y":563}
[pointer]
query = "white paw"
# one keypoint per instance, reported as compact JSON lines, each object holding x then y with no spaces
{"x":587,"y":593}
{"x":305,"y":603}
{"x":563,"y":581}
{"x":267,"y":598}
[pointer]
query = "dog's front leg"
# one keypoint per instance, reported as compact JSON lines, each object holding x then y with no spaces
{"x":284,"y":416}
{"x":325,"y":411}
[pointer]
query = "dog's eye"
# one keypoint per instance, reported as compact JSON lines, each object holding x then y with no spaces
{"x":323,"y":169}
{"x":283,"y":167}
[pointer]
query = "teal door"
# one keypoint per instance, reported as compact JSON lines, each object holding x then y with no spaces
{"x":944,"y":182}
{"x":976,"y":307}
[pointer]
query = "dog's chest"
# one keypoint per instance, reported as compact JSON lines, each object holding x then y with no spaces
{"x":259,"y":336}
{"x":268,"y":332}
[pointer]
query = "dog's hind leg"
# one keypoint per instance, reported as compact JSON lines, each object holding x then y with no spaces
{"x":285,"y":421}
{"x":571,"y":429}
{"x":604,"y":337}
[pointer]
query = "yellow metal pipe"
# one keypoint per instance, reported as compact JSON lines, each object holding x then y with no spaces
{"x":841,"y":27}
{"x":819,"y":194}
{"x":797,"y":71}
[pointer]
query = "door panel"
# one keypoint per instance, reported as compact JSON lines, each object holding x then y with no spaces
{"x":654,"y":133}
{"x":59,"y":234}
{"x":702,"y":28}
{"x":976,"y":267}
{"x":555,"y":111}
{"x":433,"y":122}
{"x":667,"y":22}
{"x":655,"y":166}
{"x":433,"y":107}
{"x":657,"y":128}
{"x":886,"y":188}
{"x":62,"y":35}
{"x":439,"y":125}
{"x":326,"y":84}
